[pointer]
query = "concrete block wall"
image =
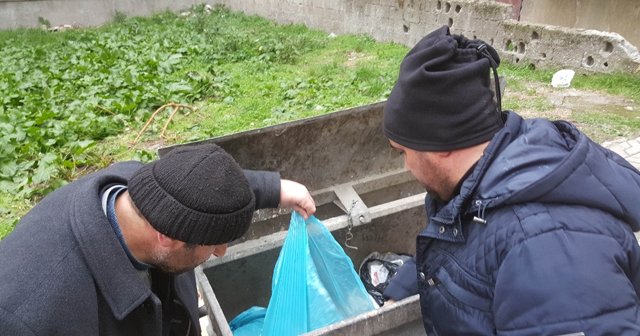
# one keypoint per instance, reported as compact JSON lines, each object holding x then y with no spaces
{"x":78,"y":13}
{"x":579,"y":49}
{"x":620,"y":16}
{"x":406,"y":21}
{"x":402,"y":21}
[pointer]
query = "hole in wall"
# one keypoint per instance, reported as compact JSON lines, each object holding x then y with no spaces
{"x":475,"y":37}
{"x":521,"y":47}
{"x":531,"y":66}
{"x":458,"y":8}
{"x":405,"y":28}
{"x":491,"y":41}
{"x":589,"y":61}
{"x":508,"y":46}
{"x":608,"y":47}
{"x":606,"y":64}
{"x":517,"y":60}
{"x":439,"y":5}
{"x":447,"y":7}
{"x":535,"y":35}
{"x":450,"y":22}
{"x":544,"y":55}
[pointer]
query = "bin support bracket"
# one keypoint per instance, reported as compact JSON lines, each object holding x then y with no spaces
{"x":351,"y":203}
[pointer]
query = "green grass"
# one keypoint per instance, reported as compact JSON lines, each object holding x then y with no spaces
{"x":616,"y":123}
{"x":72,"y":102}
{"x":623,"y":84}
{"x":517,"y":73}
{"x":610,"y":122}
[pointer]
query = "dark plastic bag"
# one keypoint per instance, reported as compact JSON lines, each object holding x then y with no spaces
{"x":314,"y":284}
{"x":377,"y":270}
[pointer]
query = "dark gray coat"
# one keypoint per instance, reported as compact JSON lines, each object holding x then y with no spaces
{"x":63,"y":271}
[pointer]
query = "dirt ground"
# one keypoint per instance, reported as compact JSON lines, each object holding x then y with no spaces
{"x":573,"y":104}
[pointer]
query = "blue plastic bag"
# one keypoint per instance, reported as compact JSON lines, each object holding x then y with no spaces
{"x":314,"y":284}
{"x":249,"y":322}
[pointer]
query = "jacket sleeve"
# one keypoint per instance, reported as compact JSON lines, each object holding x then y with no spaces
{"x":563,"y":282}
{"x":11,"y":325}
{"x":404,"y":283}
{"x":265,"y":186}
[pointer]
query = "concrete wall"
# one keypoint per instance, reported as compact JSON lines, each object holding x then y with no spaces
{"x":406,"y":21}
{"x":620,"y":16}
{"x":25,"y":13}
{"x":402,"y":21}
{"x":516,"y":7}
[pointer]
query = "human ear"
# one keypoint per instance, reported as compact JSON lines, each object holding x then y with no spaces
{"x":220,"y":250}
{"x":166,"y":241}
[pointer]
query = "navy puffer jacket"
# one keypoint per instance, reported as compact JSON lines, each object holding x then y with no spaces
{"x":538,"y":242}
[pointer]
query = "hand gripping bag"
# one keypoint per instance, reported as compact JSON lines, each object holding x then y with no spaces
{"x":314,"y":283}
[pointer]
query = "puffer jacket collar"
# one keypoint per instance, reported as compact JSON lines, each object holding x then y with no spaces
{"x":449,"y":215}
{"x":542,"y":161}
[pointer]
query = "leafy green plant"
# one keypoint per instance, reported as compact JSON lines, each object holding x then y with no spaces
{"x":119,"y":17}
{"x":73,"y":101}
{"x":62,"y":95}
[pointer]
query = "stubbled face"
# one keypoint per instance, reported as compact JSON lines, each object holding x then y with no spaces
{"x":186,"y":257}
{"x":180,"y":258}
{"x":428,"y":169}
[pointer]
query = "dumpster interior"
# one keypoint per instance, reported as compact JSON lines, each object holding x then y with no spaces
{"x":363,"y":195}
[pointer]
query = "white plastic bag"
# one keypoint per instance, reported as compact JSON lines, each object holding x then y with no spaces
{"x":562,"y":78}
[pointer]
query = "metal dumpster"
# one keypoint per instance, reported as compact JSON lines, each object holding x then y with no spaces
{"x":361,"y":190}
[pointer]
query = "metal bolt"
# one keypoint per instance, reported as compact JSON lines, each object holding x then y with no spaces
{"x":442,"y":229}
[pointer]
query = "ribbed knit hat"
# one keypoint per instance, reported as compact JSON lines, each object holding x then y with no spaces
{"x":443,"y":99}
{"x":198,"y":195}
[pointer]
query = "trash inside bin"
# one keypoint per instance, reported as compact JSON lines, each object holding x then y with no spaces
{"x":361,"y":191}
{"x":314,"y":285}
{"x":377,"y":270}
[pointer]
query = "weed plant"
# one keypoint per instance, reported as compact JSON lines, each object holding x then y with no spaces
{"x":72,"y":102}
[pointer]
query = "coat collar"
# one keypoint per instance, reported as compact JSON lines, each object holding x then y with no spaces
{"x":123,"y":287}
{"x":445,"y":221}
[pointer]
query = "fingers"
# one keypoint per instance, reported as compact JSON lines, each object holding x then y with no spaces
{"x":301,"y":211}
{"x":308,"y":206}
{"x":295,"y":195}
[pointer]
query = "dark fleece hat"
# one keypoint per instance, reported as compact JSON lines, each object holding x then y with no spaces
{"x":443,"y":98}
{"x":198,"y":195}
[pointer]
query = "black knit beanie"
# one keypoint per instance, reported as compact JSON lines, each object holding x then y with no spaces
{"x":443,"y":99}
{"x":198,"y":195}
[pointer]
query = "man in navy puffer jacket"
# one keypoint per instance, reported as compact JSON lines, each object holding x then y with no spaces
{"x":530,"y":223}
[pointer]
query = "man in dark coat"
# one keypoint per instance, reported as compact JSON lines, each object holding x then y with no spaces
{"x":113,"y":253}
{"x":530,"y":223}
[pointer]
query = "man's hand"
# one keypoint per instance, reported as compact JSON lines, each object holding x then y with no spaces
{"x":295,"y":195}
